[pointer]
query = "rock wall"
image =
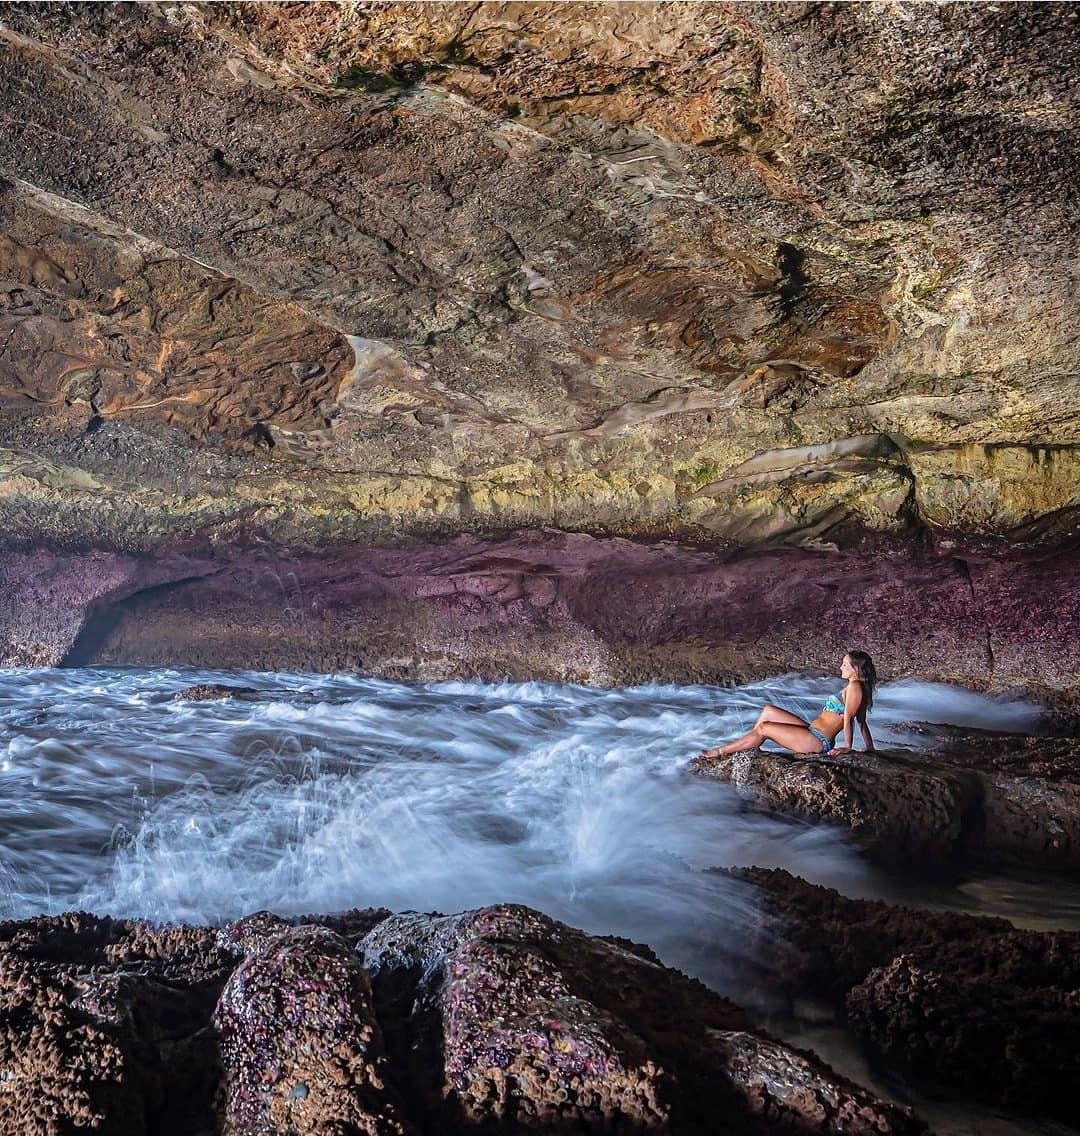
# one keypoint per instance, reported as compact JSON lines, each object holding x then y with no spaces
{"x":309,"y":277}
{"x":548,"y":604}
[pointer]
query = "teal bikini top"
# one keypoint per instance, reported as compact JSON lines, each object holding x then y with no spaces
{"x":834,"y":703}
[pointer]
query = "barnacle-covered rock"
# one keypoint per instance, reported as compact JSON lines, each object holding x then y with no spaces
{"x":509,"y":1020}
{"x":251,"y":933}
{"x":104,"y":1024}
{"x":992,"y":799}
{"x":495,"y":1020}
{"x":960,"y":999}
{"x":204,"y":691}
{"x":300,"y":1044}
{"x":897,"y":809}
{"x":997,"y":1014}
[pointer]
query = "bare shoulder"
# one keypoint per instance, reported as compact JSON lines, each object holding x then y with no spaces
{"x":853,"y":693}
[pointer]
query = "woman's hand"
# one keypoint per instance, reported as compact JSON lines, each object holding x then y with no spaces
{"x":714,"y":752}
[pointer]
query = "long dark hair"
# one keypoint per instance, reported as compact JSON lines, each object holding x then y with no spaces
{"x":867,"y":675}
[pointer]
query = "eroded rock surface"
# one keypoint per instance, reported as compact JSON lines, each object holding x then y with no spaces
{"x":997,"y":798}
{"x":300,"y":1044}
{"x":298,"y":276}
{"x":105,"y":1025}
{"x":512,"y":1021}
{"x":959,"y":999}
{"x":214,"y":691}
{"x":553,"y":605}
{"x":897,"y":808}
{"x":496,"y":1020}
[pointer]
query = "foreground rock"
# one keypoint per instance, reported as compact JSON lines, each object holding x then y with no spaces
{"x":301,"y":1048}
{"x":992,"y":798}
{"x":509,"y":1020}
{"x":496,"y":1020}
{"x":105,"y":1025}
{"x":965,"y":1000}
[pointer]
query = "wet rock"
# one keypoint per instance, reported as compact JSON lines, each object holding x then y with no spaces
{"x":215,"y":690}
{"x":249,"y":934}
{"x":507,"y":1020}
{"x":836,"y":941}
{"x":1030,"y":820}
{"x":964,"y":1000}
{"x":1049,"y":754}
{"x":562,"y":606}
{"x":792,"y":1091}
{"x":496,"y":1020}
{"x":1029,"y":792}
{"x":104,"y":1024}
{"x":351,"y":925}
{"x":992,"y":799}
{"x":998,"y":1016}
{"x":301,"y":1048}
{"x":899,"y":809}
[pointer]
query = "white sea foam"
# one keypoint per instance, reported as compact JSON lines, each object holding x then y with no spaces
{"x":336,"y":791}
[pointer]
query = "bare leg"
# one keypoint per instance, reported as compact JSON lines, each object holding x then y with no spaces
{"x":751,"y":740}
{"x":778,"y":714}
{"x":770,"y":715}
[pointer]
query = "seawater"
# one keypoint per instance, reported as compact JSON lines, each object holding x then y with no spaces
{"x":334,"y":791}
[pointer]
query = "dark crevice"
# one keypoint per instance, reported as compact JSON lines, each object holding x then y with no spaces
{"x":793,"y":277}
{"x":971,"y":839}
{"x":259,"y":435}
{"x":103,"y":617}
{"x":965,"y":571}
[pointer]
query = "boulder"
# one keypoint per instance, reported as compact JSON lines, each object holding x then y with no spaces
{"x":998,"y":1015}
{"x":301,"y":1048}
{"x":899,"y":809}
{"x":497,"y":1020}
{"x":104,"y":1024}
{"x":204,"y":691}
{"x":1029,"y":792}
{"x":508,"y":1021}
{"x":963,"y":1000}
{"x":992,"y":799}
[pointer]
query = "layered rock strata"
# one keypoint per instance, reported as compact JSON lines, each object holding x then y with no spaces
{"x":492,"y":1021}
{"x":754,"y":275}
{"x":954,"y":999}
{"x":545,"y":604}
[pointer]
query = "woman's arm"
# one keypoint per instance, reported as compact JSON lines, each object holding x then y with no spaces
{"x":853,"y":699}
{"x":864,"y":729}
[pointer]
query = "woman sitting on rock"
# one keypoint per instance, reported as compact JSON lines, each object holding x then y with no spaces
{"x":841,"y":711}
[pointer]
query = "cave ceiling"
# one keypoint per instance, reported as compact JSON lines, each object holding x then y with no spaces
{"x":746,"y":273}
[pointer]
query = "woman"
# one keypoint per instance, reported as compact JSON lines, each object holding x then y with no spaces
{"x":841,"y":711}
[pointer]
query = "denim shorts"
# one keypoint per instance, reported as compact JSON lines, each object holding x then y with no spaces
{"x":826,"y":745}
